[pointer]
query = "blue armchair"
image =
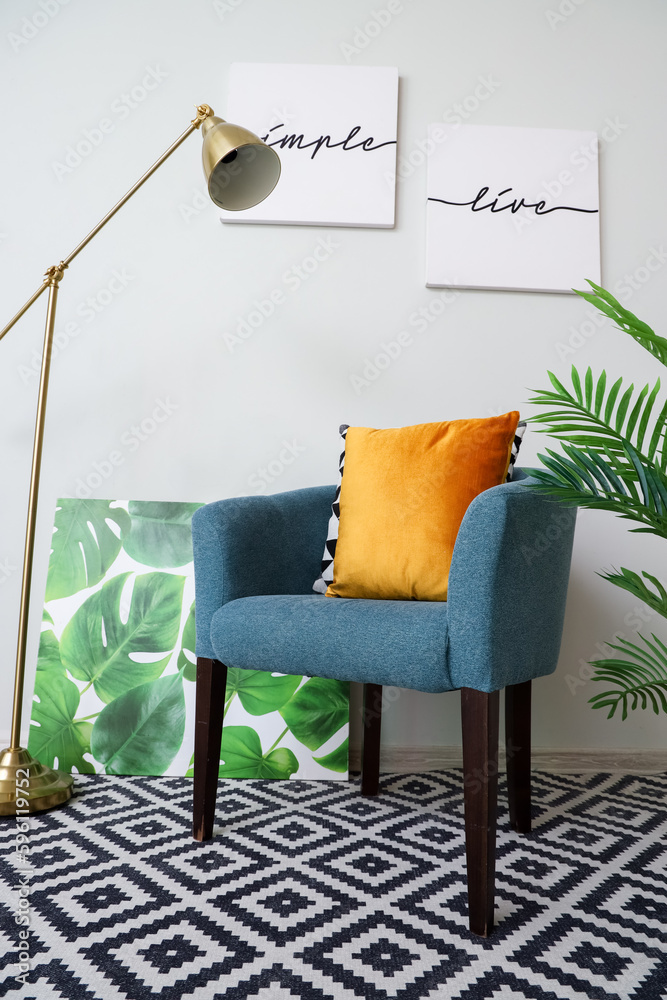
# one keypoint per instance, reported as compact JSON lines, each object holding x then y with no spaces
{"x":255,"y":562}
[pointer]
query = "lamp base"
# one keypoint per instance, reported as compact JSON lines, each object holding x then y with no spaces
{"x":37,"y":787}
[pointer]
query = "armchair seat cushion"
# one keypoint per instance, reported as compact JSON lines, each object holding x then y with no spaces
{"x":395,"y":643}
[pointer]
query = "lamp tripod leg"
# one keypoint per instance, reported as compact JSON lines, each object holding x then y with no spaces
{"x":26,"y":785}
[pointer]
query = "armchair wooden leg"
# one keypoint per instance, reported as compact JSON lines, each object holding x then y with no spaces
{"x":479,"y":717}
{"x":370,"y":751}
{"x":210,"y":703}
{"x":517,"y":739}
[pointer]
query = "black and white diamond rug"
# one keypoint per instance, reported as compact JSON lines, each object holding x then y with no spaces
{"x":309,"y":890}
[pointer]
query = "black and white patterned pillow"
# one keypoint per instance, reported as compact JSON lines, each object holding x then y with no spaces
{"x":516,"y":444}
{"x":327,"y":571}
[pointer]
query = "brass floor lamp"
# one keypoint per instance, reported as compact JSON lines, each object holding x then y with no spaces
{"x":241,"y":171}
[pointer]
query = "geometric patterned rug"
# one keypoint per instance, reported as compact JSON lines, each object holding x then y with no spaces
{"x":309,"y":890}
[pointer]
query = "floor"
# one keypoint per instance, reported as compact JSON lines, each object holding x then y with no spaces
{"x":309,"y":890}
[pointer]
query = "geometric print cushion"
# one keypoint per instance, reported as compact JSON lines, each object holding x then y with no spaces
{"x":326,"y":574}
{"x":516,"y":444}
{"x":327,"y":571}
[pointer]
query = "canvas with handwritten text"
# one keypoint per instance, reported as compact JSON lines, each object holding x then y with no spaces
{"x":334,"y":129}
{"x":512,"y":208}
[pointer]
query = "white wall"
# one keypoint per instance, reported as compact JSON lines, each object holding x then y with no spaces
{"x":193,"y":279}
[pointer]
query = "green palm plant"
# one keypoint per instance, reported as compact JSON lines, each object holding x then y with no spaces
{"x":614,"y":457}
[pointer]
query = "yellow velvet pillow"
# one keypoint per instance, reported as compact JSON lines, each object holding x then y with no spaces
{"x":403,"y":496}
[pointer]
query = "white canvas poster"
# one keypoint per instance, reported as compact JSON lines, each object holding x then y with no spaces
{"x":512,"y":208}
{"x":334,"y":129}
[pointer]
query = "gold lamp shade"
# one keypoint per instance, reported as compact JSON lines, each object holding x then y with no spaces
{"x":240,"y":169}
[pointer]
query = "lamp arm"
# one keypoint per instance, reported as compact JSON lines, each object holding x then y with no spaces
{"x":126,"y":197}
{"x":203,"y":112}
{"x":24,"y":309}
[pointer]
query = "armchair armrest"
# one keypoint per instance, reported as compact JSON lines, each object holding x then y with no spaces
{"x":247,"y":546}
{"x":508,"y":585}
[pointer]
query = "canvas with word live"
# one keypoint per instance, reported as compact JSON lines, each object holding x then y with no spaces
{"x":512,"y":208}
{"x":114,"y":688}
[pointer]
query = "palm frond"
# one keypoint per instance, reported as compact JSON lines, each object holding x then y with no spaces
{"x":620,"y":484}
{"x":592,"y":417}
{"x":641,"y":678}
{"x":633,"y":583}
{"x":626,"y":321}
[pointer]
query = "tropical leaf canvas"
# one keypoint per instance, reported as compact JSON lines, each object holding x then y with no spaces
{"x":114,"y":687}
